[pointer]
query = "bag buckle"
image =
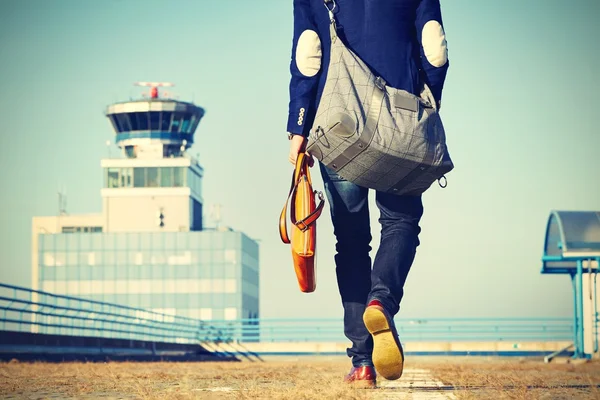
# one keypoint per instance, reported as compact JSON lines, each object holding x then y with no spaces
{"x":302,"y":228}
{"x":380,"y":83}
{"x":330,"y":10}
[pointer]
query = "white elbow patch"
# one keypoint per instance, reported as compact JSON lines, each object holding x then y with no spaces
{"x":433,"y":39}
{"x":308,"y":53}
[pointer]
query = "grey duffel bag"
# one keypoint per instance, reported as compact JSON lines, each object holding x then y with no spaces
{"x":374,"y":135}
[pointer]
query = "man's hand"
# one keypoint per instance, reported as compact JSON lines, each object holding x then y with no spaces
{"x":297,"y":145}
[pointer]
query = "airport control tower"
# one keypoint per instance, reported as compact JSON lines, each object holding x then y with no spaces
{"x":149,"y":247}
{"x":156,"y":184}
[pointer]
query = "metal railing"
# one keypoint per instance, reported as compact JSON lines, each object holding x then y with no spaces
{"x":409,"y":330}
{"x":27,"y":310}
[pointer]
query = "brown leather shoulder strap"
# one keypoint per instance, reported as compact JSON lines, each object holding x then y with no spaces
{"x":304,"y":223}
{"x":283,"y":217}
{"x":301,"y":169}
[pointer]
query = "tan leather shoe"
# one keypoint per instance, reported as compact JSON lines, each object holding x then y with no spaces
{"x":388,"y":356}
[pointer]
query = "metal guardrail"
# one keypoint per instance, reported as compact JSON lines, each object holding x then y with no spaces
{"x":409,"y":330}
{"x":26,"y":310}
{"x":23,"y":309}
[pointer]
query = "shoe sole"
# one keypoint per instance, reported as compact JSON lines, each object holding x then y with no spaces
{"x":387,"y":356}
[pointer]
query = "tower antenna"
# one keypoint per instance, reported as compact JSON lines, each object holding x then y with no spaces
{"x":62,"y":201}
{"x":154,"y":87}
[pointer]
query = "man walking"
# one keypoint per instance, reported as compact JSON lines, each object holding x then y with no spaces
{"x":403,"y":41}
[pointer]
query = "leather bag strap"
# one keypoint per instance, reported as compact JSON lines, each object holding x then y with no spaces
{"x":299,"y":173}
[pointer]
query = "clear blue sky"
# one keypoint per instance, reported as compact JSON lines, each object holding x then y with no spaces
{"x":519,"y":110}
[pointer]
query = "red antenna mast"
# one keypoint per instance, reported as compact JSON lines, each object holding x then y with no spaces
{"x":154,"y":87}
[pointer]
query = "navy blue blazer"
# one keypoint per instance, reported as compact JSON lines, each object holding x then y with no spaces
{"x":403,"y":41}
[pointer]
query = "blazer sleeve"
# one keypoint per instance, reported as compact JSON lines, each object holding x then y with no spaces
{"x":433,"y":45}
{"x":305,"y":68}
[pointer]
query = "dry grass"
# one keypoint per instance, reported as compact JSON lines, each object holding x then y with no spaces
{"x":266,"y":380}
{"x":473,"y":378}
{"x":493,"y":378}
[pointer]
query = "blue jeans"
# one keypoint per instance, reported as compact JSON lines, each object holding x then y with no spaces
{"x":357,"y":282}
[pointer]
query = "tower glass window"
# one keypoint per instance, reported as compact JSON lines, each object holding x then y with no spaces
{"x":126,"y":178}
{"x":185,"y":125}
{"x":112,"y":178}
{"x":154,"y":120}
{"x":116,"y":124}
{"x":166,"y":177}
{"x":177,"y":122}
{"x":130,"y":151}
{"x":165,"y":123}
{"x":143,"y":121}
{"x":133,"y":119}
{"x":139,"y":177}
{"x":123,"y":122}
{"x":179,"y":177}
{"x":152,"y":177}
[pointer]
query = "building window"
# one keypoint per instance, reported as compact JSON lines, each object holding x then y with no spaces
{"x":179,"y":177}
{"x":152,"y":177}
{"x":139,"y":121}
{"x":126,"y":178}
{"x":184,"y":258}
{"x":118,"y":177}
{"x":165,"y":122}
{"x":116,"y":124}
{"x":206,"y":313}
{"x":194,"y":181}
{"x":196,"y":215}
{"x":49,"y":260}
{"x":230,"y":256}
{"x":166,"y":177}
{"x":204,"y":286}
{"x":177,"y":122}
{"x":193,"y":123}
{"x":154,"y":120}
{"x":60,"y":287}
{"x":123,"y":120}
{"x":218,"y":286}
{"x":112,"y":177}
{"x":73,"y":288}
{"x":139,"y":177}
{"x":158,"y":177}
{"x":230,"y":313}
{"x":185,"y":125}
{"x":60,"y":259}
{"x":48,"y":286}
{"x":81,"y":229}
{"x":230,"y":286}
{"x":130,"y":151}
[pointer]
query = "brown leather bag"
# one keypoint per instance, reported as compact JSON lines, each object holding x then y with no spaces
{"x":303,"y":214}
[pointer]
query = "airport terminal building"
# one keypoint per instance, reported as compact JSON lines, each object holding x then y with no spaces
{"x":148,"y":247}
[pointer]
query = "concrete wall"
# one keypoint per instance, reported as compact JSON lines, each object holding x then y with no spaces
{"x":136,"y":209}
